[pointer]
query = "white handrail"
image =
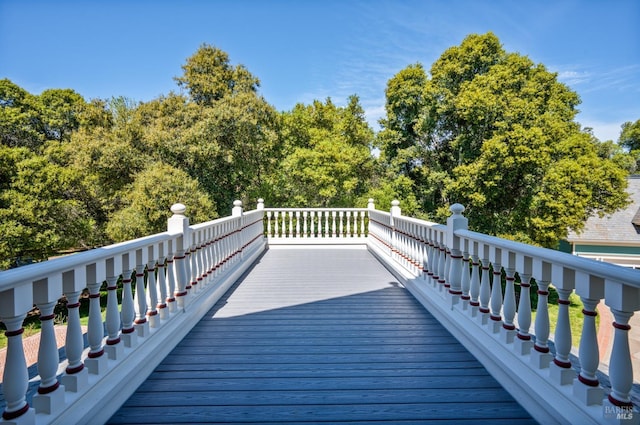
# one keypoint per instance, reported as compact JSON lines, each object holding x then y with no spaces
{"x":456,"y":273}
{"x":441,"y":266}
{"x":202,"y":261}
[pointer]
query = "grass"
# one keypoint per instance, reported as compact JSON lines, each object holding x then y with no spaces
{"x":32,"y":324}
{"x":576,"y":318}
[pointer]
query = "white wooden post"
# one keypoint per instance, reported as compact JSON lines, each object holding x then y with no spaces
{"x":179,"y":225}
{"x":456,"y":221}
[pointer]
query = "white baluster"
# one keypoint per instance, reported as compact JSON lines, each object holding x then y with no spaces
{"x":193,"y":265}
{"x":140,"y":303}
{"x":620,"y":366}
{"x":96,"y":361}
{"x":76,"y":377}
{"x":15,"y":379}
{"x":171,"y":284}
{"x":560,"y":370}
{"x":161,"y":289}
{"x":447,"y":268}
{"x":474,"y":287}
{"x":276,"y":223}
{"x":496,"y":299}
{"x":127,"y":312}
{"x":442,"y":266}
{"x":509,"y":307}
{"x":152,"y":295}
{"x":50,"y":396}
{"x":455,"y":276}
{"x":587,"y":387}
{"x":305,"y":227}
{"x":312,"y":220}
{"x":540,"y":356}
{"x":465,"y":279}
{"x":114,"y":347}
{"x":269,"y":234}
{"x":297,"y":224}
{"x":485,"y":292}
{"x":327,"y":229}
{"x":432,"y":260}
{"x":523,"y":343}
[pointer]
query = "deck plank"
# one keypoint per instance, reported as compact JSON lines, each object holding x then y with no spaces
{"x":319,"y":336}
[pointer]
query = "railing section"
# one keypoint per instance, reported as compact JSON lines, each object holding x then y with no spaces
{"x":461,"y":274}
{"x":161,"y":277}
{"x":316,"y":225}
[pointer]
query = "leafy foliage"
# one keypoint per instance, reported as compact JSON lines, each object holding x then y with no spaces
{"x":484,"y":127}
{"x":497,"y":133}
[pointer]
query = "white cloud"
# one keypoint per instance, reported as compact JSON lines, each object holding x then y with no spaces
{"x":603,"y":130}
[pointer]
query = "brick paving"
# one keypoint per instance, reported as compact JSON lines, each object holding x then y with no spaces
{"x":31,"y":345}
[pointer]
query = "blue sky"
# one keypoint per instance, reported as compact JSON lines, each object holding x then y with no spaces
{"x":305,"y":49}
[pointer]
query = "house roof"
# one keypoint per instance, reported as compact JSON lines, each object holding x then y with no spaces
{"x":621,"y":227}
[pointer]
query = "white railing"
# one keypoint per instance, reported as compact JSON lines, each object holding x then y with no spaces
{"x":316,"y":225}
{"x":171,"y":279}
{"x":457,"y":274}
{"x":168,"y":282}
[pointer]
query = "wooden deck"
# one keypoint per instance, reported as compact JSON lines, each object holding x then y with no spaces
{"x":320,"y":336}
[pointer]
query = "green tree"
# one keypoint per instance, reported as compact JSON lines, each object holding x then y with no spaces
{"x":61,"y":112}
{"x":208,"y":76}
{"x":148,"y":199}
{"x":230,"y":146}
{"x":630,"y":135}
{"x":40,"y":214}
{"x":20,"y":117}
{"x":327,"y":157}
{"x":497,"y":133}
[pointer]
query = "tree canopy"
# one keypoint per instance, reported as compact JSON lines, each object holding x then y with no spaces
{"x":497,"y":133}
{"x":484,"y":127}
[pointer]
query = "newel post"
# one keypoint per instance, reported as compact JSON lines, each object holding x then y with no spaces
{"x":456,"y":221}
{"x":370,"y":204}
{"x":178,"y":224}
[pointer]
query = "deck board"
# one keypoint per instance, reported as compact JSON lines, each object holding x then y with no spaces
{"x":319,"y":336}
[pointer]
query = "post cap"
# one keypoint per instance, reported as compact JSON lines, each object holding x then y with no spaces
{"x":457,"y":209}
{"x":178,"y":209}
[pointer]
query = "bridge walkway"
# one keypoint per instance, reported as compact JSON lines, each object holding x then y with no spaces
{"x":320,"y":336}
